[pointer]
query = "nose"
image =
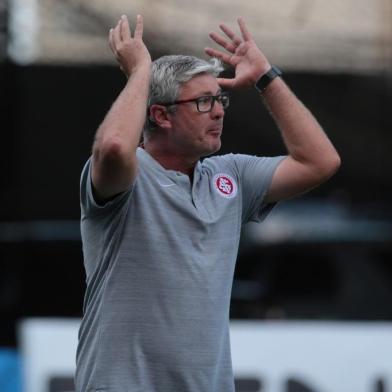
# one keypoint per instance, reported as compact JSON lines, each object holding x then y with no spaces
{"x":217,"y":110}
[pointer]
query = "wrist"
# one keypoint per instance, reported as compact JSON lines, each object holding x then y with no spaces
{"x":140,"y":72}
{"x":265,"y":79}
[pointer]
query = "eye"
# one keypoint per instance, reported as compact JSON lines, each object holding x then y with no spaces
{"x":204,"y":100}
{"x":223,"y":99}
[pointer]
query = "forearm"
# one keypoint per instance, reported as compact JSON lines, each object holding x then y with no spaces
{"x":123,"y":124}
{"x":303,"y":136}
{"x":114,"y":163}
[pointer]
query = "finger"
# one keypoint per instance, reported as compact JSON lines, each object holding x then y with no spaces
{"x":226,"y":83}
{"x":111,"y":41}
{"x":116,"y":34}
{"x":244,"y":30}
{"x":125,"y":32}
{"x":218,"y":54}
{"x":230,"y":33}
{"x":112,"y":44}
{"x":139,"y":27}
{"x":222,"y":42}
{"x":119,"y":26}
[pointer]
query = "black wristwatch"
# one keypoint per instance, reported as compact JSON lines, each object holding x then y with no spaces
{"x":267,"y":78}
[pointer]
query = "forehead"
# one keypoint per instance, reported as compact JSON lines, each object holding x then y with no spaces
{"x":203,"y":84}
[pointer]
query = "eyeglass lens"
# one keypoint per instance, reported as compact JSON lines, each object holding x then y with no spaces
{"x":205,"y":104}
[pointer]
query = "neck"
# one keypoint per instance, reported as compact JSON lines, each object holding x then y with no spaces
{"x":172,"y":160}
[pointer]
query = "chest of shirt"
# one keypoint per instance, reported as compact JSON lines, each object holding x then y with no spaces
{"x":210,"y":199}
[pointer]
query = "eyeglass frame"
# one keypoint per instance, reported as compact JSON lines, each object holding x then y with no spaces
{"x":214,"y":98}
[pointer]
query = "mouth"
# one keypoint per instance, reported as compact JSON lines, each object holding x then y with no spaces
{"x":217,"y":131}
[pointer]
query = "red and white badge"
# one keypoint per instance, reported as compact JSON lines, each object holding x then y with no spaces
{"x":225,"y":185}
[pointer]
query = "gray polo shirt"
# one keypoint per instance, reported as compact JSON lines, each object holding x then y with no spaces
{"x":159,"y":261}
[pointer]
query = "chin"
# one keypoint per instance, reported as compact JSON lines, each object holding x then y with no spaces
{"x":212,"y":149}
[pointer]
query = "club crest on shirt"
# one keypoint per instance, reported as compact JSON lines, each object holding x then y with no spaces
{"x":225,"y":185}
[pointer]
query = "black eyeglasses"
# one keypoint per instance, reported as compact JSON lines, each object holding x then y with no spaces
{"x":205,"y":103}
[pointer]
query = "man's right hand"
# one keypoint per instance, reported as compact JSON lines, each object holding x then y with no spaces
{"x":130,"y":52}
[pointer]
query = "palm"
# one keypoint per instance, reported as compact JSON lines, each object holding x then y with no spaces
{"x":246,"y":64}
{"x":130,"y":52}
{"x":242,"y":54}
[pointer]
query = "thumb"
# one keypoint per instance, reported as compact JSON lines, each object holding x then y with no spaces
{"x":226,"y":83}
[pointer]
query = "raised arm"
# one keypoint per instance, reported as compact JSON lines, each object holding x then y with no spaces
{"x":114,"y":164}
{"x":312,"y":158}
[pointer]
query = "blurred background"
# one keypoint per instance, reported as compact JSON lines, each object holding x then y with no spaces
{"x":321,"y":258}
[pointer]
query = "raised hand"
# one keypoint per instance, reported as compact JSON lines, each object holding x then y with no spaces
{"x":242,"y":54}
{"x":130,"y":52}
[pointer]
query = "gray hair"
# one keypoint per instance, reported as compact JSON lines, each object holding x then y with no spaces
{"x":169,"y":73}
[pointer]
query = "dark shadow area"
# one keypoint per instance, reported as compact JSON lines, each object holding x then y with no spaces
{"x":50,"y":115}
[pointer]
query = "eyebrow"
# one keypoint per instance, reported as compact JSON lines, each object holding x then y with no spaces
{"x":209,"y":93}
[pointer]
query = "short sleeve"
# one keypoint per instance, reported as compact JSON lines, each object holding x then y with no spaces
{"x":255,"y":175}
{"x":89,"y":206}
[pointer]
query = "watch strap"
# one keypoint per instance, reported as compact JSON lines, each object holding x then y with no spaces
{"x":267,"y":78}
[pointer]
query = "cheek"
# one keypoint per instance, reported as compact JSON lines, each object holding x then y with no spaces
{"x":201,"y":124}
{"x":193,"y":126}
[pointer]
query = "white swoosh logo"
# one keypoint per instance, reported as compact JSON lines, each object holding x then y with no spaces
{"x":165,"y":185}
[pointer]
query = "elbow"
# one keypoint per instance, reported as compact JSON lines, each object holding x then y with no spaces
{"x":329,"y":166}
{"x":334,"y":164}
{"x":110,"y":151}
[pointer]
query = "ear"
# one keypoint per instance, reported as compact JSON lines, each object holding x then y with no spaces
{"x":160,"y":116}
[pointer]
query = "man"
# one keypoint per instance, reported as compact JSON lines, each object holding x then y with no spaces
{"x":161,"y":228}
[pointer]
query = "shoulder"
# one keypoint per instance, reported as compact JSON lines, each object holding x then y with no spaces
{"x":238,"y":162}
{"x":252,"y":170}
{"x":226,"y":161}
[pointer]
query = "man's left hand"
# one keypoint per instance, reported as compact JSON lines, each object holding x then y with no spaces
{"x":242,"y":54}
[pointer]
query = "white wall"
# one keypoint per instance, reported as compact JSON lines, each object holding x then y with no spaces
{"x":324,"y":357}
